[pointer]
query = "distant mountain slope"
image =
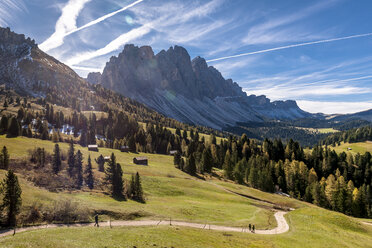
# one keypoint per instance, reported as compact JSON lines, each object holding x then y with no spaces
{"x":364,"y":115}
{"x":27,"y":69}
{"x":189,"y":91}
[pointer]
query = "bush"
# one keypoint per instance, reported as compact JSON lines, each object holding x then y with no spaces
{"x":66,"y":211}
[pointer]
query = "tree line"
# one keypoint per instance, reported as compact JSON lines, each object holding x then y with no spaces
{"x":341,"y":182}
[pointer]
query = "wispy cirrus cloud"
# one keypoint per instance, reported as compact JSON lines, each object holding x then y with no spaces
{"x":292,"y":46}
{"x":112,"y":46}
{"x":168,"y":22}
{"x":8,"y":8}
{"x":65,"y":24}
{"x":281,"y":29}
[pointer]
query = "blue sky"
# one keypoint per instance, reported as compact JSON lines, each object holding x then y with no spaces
{"x":280,"y":39}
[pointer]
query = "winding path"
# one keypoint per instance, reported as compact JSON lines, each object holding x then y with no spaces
{"x":279,"y":216}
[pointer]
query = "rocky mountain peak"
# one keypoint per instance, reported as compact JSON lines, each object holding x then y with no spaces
{"x":190,"y":91}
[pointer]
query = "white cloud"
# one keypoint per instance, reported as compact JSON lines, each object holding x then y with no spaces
{"x":334,"y":107}
{"x":169,"y":21}
{"x":291,"y":46}
{"x":66,"y":23}
{"x":8,"y":8}
{"x":112,"y":46}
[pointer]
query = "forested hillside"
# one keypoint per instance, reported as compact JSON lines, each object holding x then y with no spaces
{"x":350,"y":136}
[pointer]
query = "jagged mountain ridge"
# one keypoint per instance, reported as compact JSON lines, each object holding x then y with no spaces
{"x":28,"y":70}
{"x":187,"y":90}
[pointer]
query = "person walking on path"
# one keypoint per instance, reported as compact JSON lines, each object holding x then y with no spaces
{"x":253,"y":228}
{"x":96,"y":220}
{"x":249,"y":227}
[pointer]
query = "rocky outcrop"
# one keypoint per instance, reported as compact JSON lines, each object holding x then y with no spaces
{"x":94,"y":77}
{"x":189,"y":91}
{"x":28,"y":70}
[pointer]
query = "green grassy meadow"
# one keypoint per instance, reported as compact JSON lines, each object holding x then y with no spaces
{"x":360,"y":147}
{"x":169,"y":192}
{"x":172,"y":193}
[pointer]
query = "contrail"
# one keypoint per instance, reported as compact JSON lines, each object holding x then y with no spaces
{"x":290,"y":46}
{"x":62,"y":30}
{"x":104,"y":17}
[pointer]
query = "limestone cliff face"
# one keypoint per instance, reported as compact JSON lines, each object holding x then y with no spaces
{"x":187,"y":90}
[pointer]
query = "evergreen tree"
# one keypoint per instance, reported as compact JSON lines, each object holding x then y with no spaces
{"x":228,"y":166}
{"x":5,"y":105}
{"x":14,"y":128}
{"x":56,"y":163}
{"x":138,"y":193}
{"x":12,"y":197}
{"x":177,"y":159}
{"x":206,"y":161}
{"x":4,"y":124}
{"x":79,"y":169}
{"x":101,"y":163}
{"x":190,"y":166}
{"x":4,"y":158}
{"x":114,"y":178}
{"x":89,"y":178}
{"x":71,"y":158}
{"x":132,"y":144}
{"x":83,"y":138}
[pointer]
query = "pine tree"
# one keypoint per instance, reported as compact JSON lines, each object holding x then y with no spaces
{"x":177,"y":159}
{"x":132,"y":144}
{"x":190,"y":166}
{"x":138,"y":189}
{"x":228,"y":166}
{"x":71,"y":159}
{"x":118,"y":186}
{"x":56,"y":164}
{"x":89,"y":178}
{"x":83,"y":138}
{"x":13,"y":129}
{"x":5,"y":105}
{"x":79,"y":169}
{"x":114,"y":178}
{"x":4,"y":124}
{"x":206,"y":161}
{"x":12,"y":200}
{"x":132,"y":187}
{"x":101,"y":163}
{"x":4,"y":159}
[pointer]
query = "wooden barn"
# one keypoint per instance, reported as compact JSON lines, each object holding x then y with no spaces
{"x":141,"y":160}
{"x":93,"y":148}
{"x":124,"y":148}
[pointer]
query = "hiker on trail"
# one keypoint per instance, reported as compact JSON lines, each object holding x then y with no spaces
{"x":96,"y":220}
{"x":249,"y":227}
{"x":253,"y":228}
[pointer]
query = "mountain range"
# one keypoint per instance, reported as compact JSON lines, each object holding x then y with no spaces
{"x":169,"y":82}
{"x":187,"y":90}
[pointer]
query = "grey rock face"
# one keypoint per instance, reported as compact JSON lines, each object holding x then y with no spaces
{"x":190,"y":91}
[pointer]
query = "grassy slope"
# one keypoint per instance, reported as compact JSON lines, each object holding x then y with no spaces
{"x":360,"y":147}
{"x":169,"y":192}
{"x":173,"y":193}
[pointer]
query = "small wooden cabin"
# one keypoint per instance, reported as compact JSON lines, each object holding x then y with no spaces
{"x":107,"y":158}
{"x":124,"y":148}
{"x":93,"y":148}
{"x":141,"y":160}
